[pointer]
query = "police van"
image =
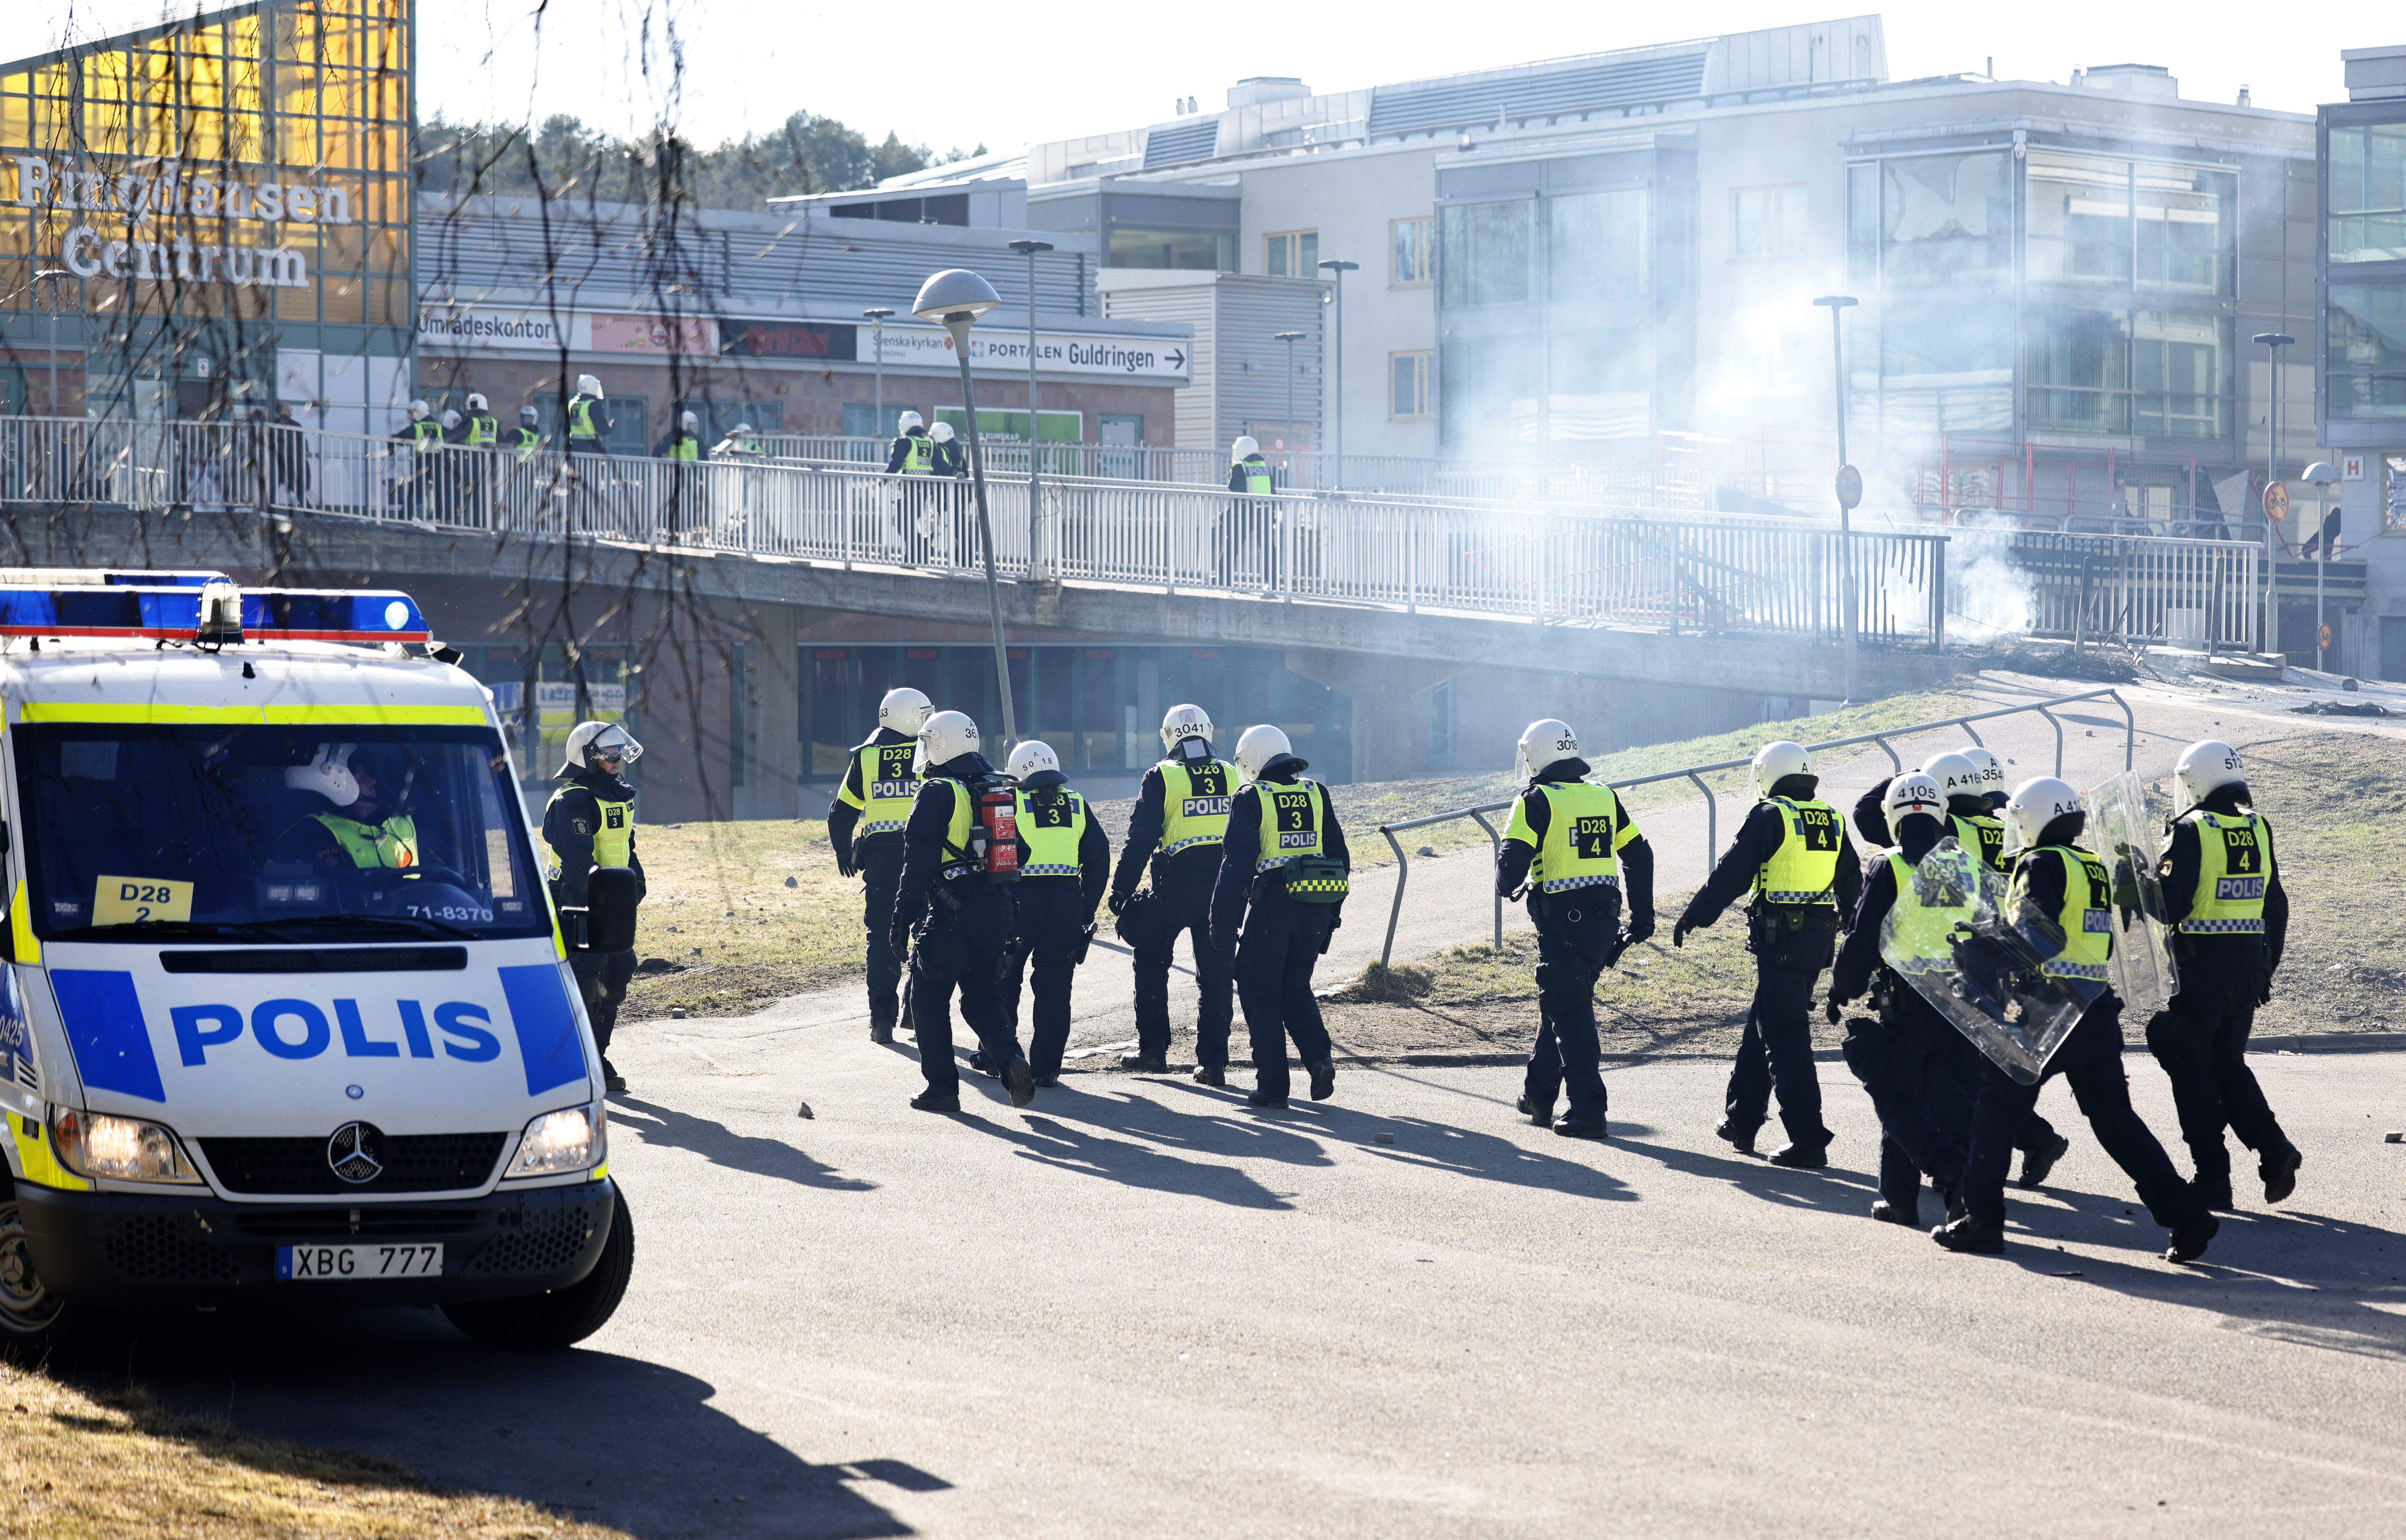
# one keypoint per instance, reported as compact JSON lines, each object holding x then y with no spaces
{"x":284,"y":1016}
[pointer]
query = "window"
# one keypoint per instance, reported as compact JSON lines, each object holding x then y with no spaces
{"x":1490,"y":253}
{"x":2179,"y":364}
{"x":2365,"y":325}
{"x":1489,"y":386}
{"x":1598,"y":246}
{"x":1770,"y":222}
{"x":1293,"y":255}
{"x":1413,"y":244}
{"x":2078,"y":367}
{"x":2367,"y":194}
{"x":1945,"y":367}
{"x":1188,"y":250}
{"x":2186,"y":228}
{"x":2393,"y":498}
{"x":1408,"y":396}
{"x":1944,"y":219}
{"x":1441,"y":750}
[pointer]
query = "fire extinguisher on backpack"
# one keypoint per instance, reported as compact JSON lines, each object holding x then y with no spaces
{"x":994,"y":832}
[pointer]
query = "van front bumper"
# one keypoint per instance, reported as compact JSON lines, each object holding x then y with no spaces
{"x":143,"y":1251}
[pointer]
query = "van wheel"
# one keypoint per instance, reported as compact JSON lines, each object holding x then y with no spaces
{"x":29,"y":1312}
{"x":563,"y":1316}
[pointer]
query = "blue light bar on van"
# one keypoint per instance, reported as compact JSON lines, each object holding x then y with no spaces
{"x":109,"y":577}
{"x":175,"y":612}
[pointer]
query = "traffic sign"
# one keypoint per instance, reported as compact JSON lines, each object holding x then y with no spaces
{"x":2277,"y":500}
{"x":1851,"y":487}
{"x":2323,"y":636}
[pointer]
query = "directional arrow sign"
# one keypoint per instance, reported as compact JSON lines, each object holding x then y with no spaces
{"x":1177,"y":359}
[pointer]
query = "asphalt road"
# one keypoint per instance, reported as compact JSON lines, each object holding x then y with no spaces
{"x":1140,"y":1308}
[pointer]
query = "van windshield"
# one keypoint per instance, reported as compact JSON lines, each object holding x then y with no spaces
{"x":272,"y":833}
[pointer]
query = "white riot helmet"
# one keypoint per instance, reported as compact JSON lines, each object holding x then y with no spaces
{"x":909,"y":420}
{"x":2205,"y":768}
{"x":476,"y":402}
{"x":1181,"y":723}
{"x":1773,"y":763}
{"x":904,"y":709}
{"x":1244,"y":446}
{"x":327,"y":773}
{"x":942,"y":432}
{"x":418,"y":409}
{"x":945,"y":738}
{"x":1032,"y":757}
{"x":1261,"y":745}
{"x":450,"y":418}
{"x":1544,"y":743}
{"x":742,"y":428}
{"x":591,"y":743}
{"x":588,"y":385}
{"x":2035,"y":804}
{"x":529,"y":416}
{"x":1992,"y":772}
{"x":1955,"y":774}
{"x":690,"y":423}
{"x":1915,"y":791}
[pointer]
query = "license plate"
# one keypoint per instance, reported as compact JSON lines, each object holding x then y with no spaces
{"x":309,"y":1264}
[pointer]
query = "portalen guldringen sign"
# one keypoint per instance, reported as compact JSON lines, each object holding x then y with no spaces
{"x":172,"y":191}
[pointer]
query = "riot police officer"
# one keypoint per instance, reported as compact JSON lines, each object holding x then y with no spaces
{"x":953,"y":917}
{"x":2060,"y":902}
{"x":2222,"y":892}
{"x":1175,"y":832}
{"x":590,"y":822}
{"x":1573,"y":847}
{"x":865,"y":825}
{"x":1970,"y":816}
{"x":1282,"y":879}
{"x":1792,"y":853}
{"x":1060,"y":884}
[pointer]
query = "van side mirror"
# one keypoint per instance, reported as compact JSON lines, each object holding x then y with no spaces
{"x":611,"y":895}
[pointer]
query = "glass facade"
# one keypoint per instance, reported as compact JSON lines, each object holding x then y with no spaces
{"x":215,"y":190}
{"x":2362,"y":278}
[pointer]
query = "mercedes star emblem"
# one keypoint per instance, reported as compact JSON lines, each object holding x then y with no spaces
{"x":354,"y":1152}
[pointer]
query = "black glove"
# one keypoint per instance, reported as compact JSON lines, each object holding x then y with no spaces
{"x":1679,"y":933}
{"x":1117,"y":901}
{"x":1641,"y":929}
{"x":2264,"y":996}
{"x":1831,"y":1010}
{"x":1335,"y":922}
{"x":898,"y":936}
{"x":844,"y":864}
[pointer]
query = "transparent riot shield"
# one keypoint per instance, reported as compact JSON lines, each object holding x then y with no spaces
{"x":1950,"y":939}
{"x":2119,"y":826}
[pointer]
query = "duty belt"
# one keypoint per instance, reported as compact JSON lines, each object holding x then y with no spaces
{"x":1776,"y":896}
{"x":1198,"y":840}
{"x":882,"y":826}
{"x":2093,"y":972}
{"x":1048,"y":869}
{"x":1566,"y":884}
{"x":2222,"y":927}
{"x":1274,"y":861}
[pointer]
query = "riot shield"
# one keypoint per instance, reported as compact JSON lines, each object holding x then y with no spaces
{"x":2142,"y":965}
{"x":1950,"y":939}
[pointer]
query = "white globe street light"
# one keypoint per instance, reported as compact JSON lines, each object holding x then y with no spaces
{"x":955,"y":299}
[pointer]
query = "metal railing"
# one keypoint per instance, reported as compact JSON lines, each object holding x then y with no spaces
{"x":1712,"y":805}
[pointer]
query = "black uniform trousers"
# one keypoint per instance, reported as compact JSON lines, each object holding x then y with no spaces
{"x":2090,"y":1058}
{"x":1182,"y":908}
{"x":961,"y":951}
{"x":1275,"y":955}
{"x":879,"y":860}
{"x":602,"y":978}
{"x":2201,"y":1039}
{"x":1051,"y":933}
{"x":1915,"y":1067}
{"x":1775,"y":1051}
{"x":1571,"y":956}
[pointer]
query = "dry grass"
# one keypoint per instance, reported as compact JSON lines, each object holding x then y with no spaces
{"x":722,"y":934}
{"x":72,"y":1465}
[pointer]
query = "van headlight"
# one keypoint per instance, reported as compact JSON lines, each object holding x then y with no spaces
{"x":574,"y":1139}
{"x":93,"y":1144}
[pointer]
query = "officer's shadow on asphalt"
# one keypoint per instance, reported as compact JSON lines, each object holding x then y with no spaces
{"x":761,"y":1157}
{"x":611,"y":1439}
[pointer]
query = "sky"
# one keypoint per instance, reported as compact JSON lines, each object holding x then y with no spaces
{"x":947,"y":74}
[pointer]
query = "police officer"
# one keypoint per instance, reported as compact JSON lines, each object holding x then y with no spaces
{"x":480,"y":429}
{"x":527,"y":437}
{"x":1060,"y":883}
{"x":865,"y":825}
{"x":1175,"y":830}
{"x":365,"y":828}
{"x":1276,"y":820}
{"x":913,"y":453}
{"x":1247,"y":526}
{"x":962,"y":919}
{"x":1792,"y":853}
{"x":739,"y":445}
{"x":1992,"y":775}
{"x":591,"y":823}
{"x":2060,"y":900}
{"x":684,"y":443}
{"x":2222,"y":892}
{"x":950,"y":465}
{"x":1573,"y":847}
{"x":1970,"y":816}
{"x":950,"y":455}
{"x":1903,"y":1051}
{"x":588,"y":426}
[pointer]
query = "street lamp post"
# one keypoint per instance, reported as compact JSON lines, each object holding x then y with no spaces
{"x":955,"y":299}
{"x":1838,"y":305}
{"x":1337,"y":285}
{"x":2272,"y":342}
{"x":2324,"y":475}
{"x":877,"y":314}
{"x":1036,"y":565}
{"x":1290,"y":338}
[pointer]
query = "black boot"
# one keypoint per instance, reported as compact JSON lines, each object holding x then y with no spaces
{"x":1265,"y":1098}
{"x":1578,"y":1125}
{"x":929,"y":1101}
{"x":2037,"y":1163}
{"x":1889,"y":1214}
{"x":2213,"y":1189}
{"x":1323,"y":1079}
{"x":1539,"y":1113}
{"x":2189,"y":1240}
{"x":1970,"y":1235}
{"x":613,"y":1083}
{"x":2279,"y":1170}
{"x":1022,"y":1082}
{"x":1741,"y":1139}
{"x":1211,"y":1074}
{"x":881,"y":1028}
{"x":1801,"y":1158}
{"x":1143,"y":1062}
{"x":1950,"y":1191}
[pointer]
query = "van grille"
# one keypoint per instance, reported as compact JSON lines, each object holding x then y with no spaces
{"x":412,"y":1163}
